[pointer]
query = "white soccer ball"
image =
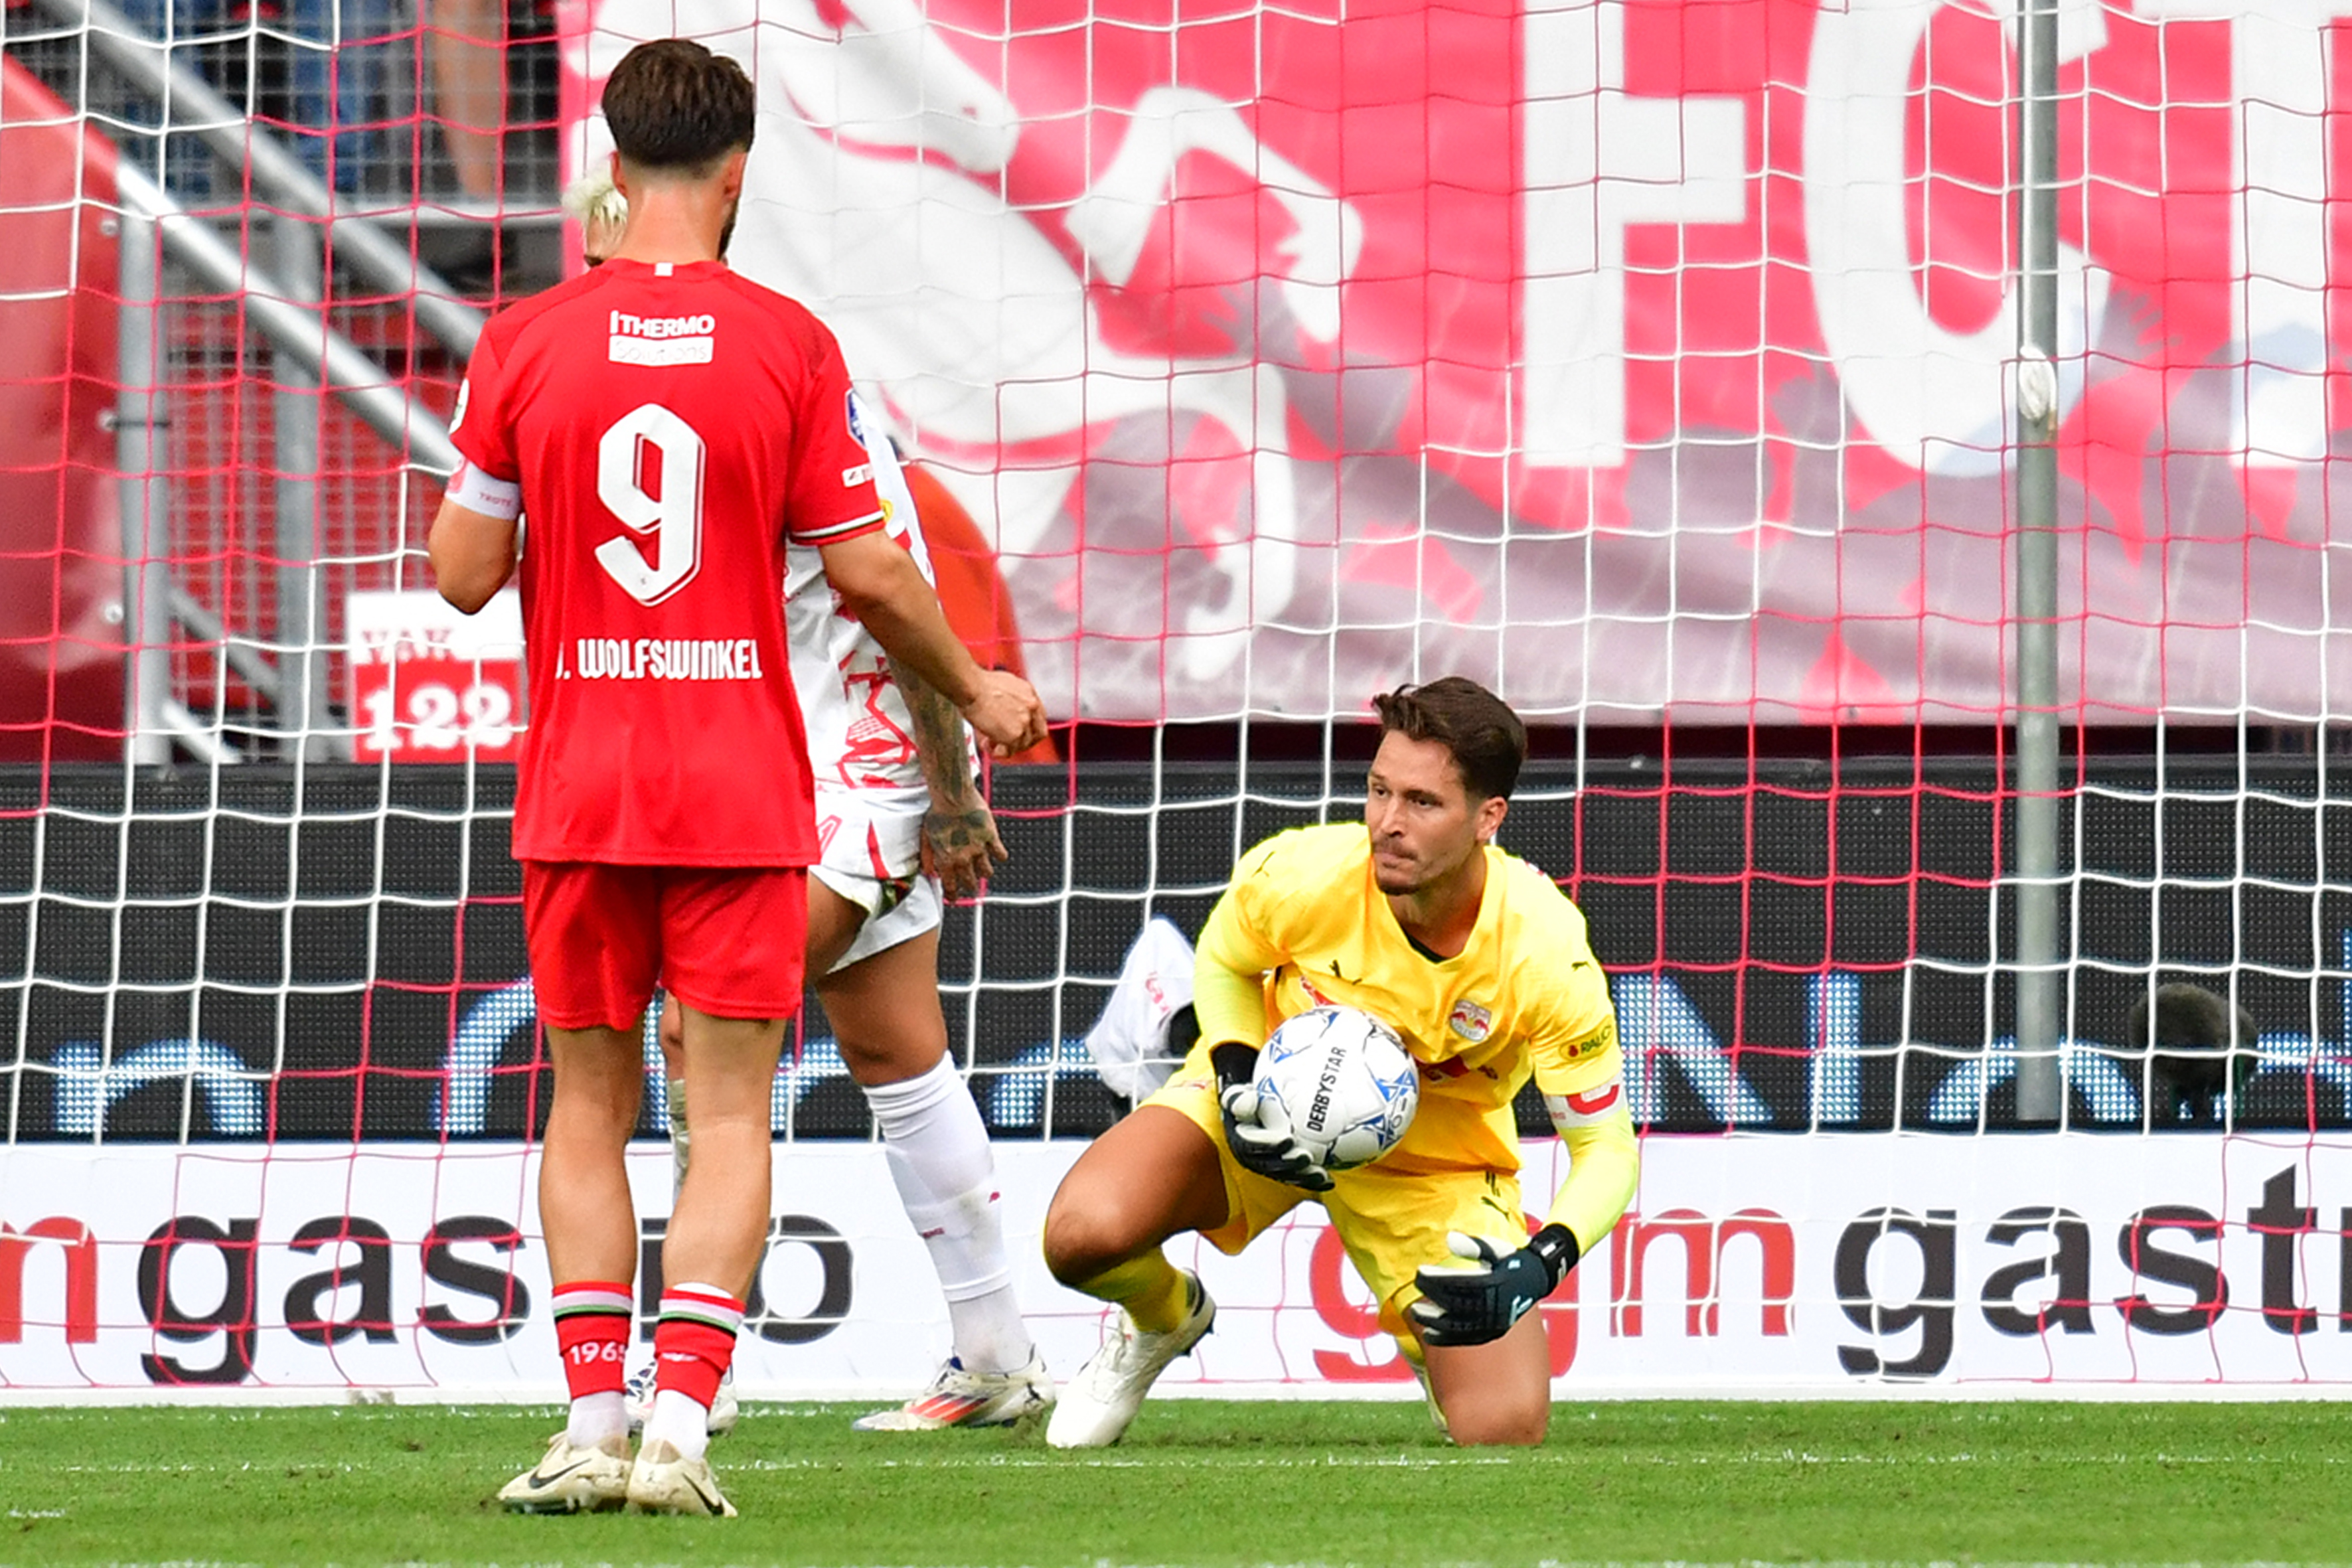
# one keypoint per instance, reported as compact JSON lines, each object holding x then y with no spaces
{"x":1345,"y":1082}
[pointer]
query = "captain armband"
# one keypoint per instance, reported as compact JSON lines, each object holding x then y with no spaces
{"x":477,"y":492}
{"x":1604,"y":1101}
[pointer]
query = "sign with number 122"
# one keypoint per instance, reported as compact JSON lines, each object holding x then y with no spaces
{"x":427,"y":684}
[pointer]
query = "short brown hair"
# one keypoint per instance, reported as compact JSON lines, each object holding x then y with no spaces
{"x":1487,"y":740}
{"x":675,"y":106}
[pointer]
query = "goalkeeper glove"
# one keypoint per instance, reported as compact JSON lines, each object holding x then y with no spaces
{"x":1473,"y":1306}
{"x":1257,"y":1130}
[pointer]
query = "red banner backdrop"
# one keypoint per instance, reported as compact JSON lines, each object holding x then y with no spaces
{"x":61,"y":585}
{"x":1643,"y":359}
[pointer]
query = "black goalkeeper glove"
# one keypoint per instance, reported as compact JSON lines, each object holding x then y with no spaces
{"x":1258,"y":1131}
{"x":1473,"y":1306}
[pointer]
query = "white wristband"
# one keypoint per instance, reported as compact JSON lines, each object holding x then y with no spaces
{"x":477,"y":492}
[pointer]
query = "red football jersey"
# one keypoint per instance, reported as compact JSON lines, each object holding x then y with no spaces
{"x":671,"y":426}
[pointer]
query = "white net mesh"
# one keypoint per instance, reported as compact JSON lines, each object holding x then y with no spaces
{"x":1650,"y":364}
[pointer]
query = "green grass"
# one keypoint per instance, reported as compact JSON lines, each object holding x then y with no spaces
{"x":1200,"y":1482}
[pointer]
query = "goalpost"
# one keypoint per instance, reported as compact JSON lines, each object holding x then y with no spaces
{"x":1658,"y":365}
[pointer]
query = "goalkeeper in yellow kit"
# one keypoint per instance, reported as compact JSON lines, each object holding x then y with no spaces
{"x":1481,"y":963}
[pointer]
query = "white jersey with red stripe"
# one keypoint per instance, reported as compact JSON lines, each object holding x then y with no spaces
{"x":861,"y":737}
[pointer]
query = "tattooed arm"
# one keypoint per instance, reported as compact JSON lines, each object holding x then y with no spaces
{"x":960,"y":841}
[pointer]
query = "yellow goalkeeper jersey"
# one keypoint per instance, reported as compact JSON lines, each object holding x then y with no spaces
{"x":1524,"y":996}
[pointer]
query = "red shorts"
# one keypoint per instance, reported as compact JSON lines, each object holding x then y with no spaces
{"x":728,"y":943}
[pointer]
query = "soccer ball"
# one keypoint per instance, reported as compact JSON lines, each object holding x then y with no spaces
{"x":1346,"y":1081}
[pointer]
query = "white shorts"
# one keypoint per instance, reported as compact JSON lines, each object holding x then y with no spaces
{"x":873,"y":855}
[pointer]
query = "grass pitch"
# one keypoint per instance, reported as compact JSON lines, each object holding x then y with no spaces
{"x":1217,"y":1483}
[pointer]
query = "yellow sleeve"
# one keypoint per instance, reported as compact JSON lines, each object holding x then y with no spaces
{"x":1580,"y":1072}
{"x":1582,"y":1080}
{"x":1229,"y":965}
{"x":1575,"y":1045}
{"x":1579,"y":1054}
{"x":1604,"y":1166}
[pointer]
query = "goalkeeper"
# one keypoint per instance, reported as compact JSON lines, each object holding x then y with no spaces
{"x":1481,"y":963}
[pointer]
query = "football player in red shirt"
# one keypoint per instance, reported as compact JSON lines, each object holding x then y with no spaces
{"x":903,"y":828}
{"x":669,"y":427}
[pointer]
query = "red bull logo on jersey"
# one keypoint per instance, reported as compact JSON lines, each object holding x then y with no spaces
{"x":1470,"y":1021}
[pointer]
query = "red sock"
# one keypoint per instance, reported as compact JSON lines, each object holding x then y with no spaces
{"x":695,"y":1340}
{"x":592,"y":1329}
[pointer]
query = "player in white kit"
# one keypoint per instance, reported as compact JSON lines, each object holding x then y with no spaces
{"x":902,"y":825}
{"x":902,"y":822}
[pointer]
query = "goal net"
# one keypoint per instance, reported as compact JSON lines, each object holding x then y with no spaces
{"x":1655,"y":365}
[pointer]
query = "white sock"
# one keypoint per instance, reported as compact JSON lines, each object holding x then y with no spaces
{"x":681,"y":1421}
{"x":988,"y":1332}
{"x":946,"y":1175}
{"x":594,"y":1418}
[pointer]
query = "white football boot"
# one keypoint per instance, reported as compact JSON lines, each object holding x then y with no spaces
{"x":637,"y":1398}
{"x":571,"y":1479}
{"x":960,"y":1398}
{"x":665,"y":1481}
{"x":1100,"y":1402}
